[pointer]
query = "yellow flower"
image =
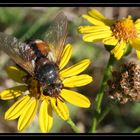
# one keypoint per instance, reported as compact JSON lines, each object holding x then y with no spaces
{"x":120,"y":33}
{"x":32,"y":97}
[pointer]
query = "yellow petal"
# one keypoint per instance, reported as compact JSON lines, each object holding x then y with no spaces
{"x":60,"y":108}
{"x":138,"y":33}
{"x":75,"y":69}
{"x":93,"y":20}
{"x":65,"y":56}
{"x":12,"y":93}
{"x":97,"y":36}
{"x":45,"y":117}
{"x":137,"y":24}
{"x":93,"y":29}
{"x":15,"y":74}
{"x":77,"y":81}
{"x":138,"y":54}
{"x":110,"y":41}
{"x":96,"y":14}
{"x":75,"y":98}
{"x":17,"y":108}
{"x":118,"y":51}
{"x":28,"y":115}
{"x":136,"y":43}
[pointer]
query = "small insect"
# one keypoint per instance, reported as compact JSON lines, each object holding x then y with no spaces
{"x":40,"y":58}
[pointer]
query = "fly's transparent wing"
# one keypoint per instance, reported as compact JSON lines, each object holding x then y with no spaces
{"x":14,"y":49}
{"x":56,"y":35}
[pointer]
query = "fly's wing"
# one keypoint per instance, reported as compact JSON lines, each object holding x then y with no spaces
{"x":14,"y":49}
{"x":56,"y":35}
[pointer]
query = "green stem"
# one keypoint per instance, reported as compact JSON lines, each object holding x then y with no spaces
{"x":137,"y":130}
{"x":73,"y":126}
{"x":100,"y":118}
{"x":99,"y":97}
{"x":107,"y":110}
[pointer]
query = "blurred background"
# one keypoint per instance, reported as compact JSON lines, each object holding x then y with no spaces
{"x":32,"y":22}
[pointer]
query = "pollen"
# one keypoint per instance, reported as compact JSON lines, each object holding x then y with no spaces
{"x":124,"y":29}
{"x":34,"y":87}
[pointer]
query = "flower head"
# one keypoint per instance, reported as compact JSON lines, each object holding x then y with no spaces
{"x":125,"y":83}
{"x":119,"y":33}
{"x":32,"y":97}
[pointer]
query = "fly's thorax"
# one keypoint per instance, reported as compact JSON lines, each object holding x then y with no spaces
{"x":42,"y":47}
{"x":34,"y":50}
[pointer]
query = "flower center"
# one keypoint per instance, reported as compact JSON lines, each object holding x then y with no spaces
{"x":124,"y":29}
{"x":38,"y":89}
{"x":34,"y":87}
